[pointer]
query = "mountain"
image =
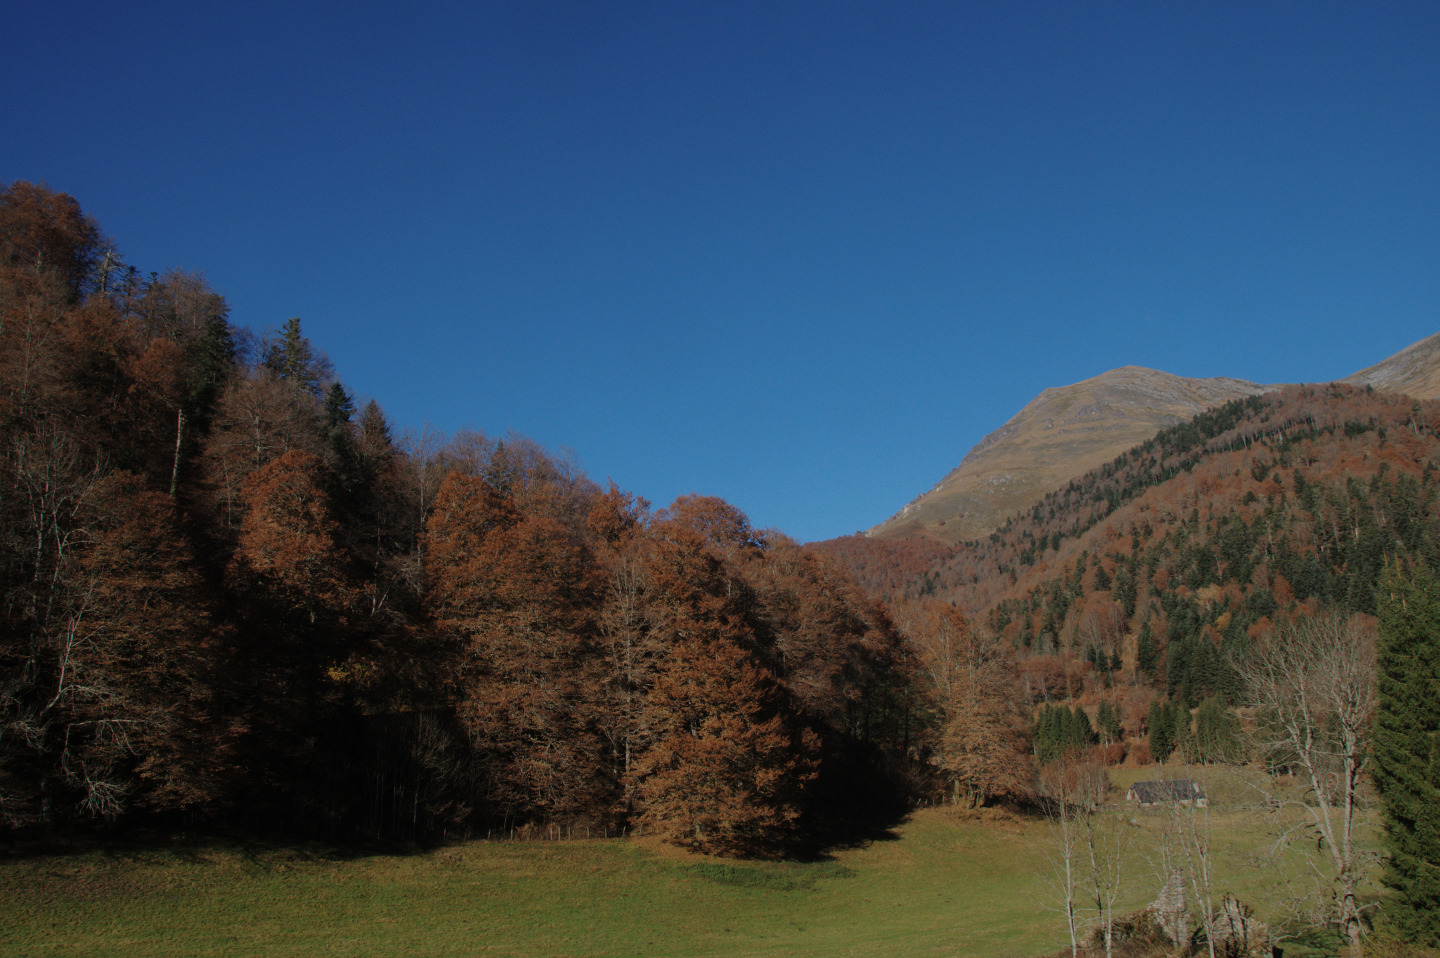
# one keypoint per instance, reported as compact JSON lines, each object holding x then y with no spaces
{"x":1062,"y":433}
{"x":1066,"y":431}
{"x":1414,"y":371}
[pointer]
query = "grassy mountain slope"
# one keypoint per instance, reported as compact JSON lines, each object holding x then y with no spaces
{"x":1060,"y":434}
{"x":1414,"y":371}
{"x":1068,"y":430}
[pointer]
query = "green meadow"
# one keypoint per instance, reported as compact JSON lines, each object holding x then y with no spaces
{"x":941,"y":883}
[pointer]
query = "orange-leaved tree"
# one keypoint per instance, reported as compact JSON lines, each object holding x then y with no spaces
{"x":727,"y":762}
{"x":513,"y":596}
{"x":152,"y":653}
{"x":982,"y":743}
{"x":289,"y":541}
{"x":113,"y":699}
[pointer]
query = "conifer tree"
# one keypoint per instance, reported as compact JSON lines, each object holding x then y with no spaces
{"x":1080,"y":732}
{"x":293,"y":359}
{"x":339,"y":407}
{"x":1123,"y":589}
{"x":1184,"y":733}
{"x":1407,"y":748}
{"x":1163,"y":731}
{"x":1060,"y":730}
{"x":1147,"y":656}
{"x":212,"y":361}
{"x":1108,"y":720}
{"x":1048,"y":734}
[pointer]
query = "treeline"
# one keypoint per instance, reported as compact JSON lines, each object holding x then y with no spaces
{"x":227,"y":595}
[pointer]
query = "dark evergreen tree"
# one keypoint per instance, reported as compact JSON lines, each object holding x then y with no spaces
{"x":1178,"y":673}
{"x":1107,"y":719}
{"x":1162,"y":728}
{"x":339,"y":407}
{"x":293,"y":359}
{"x":1184,"y":732}
{"x":1147,"y":655}
{"x":1048,"y":734}
{"x":1080,"y":733}
{"x":1407,"y":748}
{"x":1061,"y":729}
{"x":1123,"y":589}
{"x":212,"y":362}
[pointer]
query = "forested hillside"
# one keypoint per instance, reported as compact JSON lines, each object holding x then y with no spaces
{"x":1170,"y":561}
{"x":229,"y":596}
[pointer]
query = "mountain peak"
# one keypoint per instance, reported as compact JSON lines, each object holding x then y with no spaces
{"x":1063,"y":432}
{"x":1068,"y":430}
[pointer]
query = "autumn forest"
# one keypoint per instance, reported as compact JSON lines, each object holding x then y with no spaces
{"x":230,"y":595}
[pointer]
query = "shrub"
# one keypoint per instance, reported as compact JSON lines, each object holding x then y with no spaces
{"x":1141,"y":927}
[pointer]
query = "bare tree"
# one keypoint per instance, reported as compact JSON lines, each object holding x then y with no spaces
{"x":1313,"y":685}
{"x":1056,"y":791}
{"x":1189,"y":837}
{"x":1106,"y":840}
{"x":257,"y":420}
{"x":1088,"y":843}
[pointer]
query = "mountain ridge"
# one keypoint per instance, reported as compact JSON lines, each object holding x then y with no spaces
{"x":1062,"y":432}
{"x":1067,"y":430}
{"x":1414,"y":371}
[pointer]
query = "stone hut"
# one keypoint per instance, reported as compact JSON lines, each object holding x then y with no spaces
{"x":1180,"y":791}
{"x":1170,"y":910}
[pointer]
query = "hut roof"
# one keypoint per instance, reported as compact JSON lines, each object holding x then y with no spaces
{"x":1174,"y":790}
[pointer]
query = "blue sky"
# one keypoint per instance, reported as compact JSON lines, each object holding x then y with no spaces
{"x":798,"y":255}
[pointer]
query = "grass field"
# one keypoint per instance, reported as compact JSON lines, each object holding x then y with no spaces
{"x":941,"y":884}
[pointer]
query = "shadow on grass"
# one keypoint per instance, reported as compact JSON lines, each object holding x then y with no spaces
{"x":849,"y":810}
{"x":157,"y":845}
{"x":149,"y":844}
{"x":858,"y":829}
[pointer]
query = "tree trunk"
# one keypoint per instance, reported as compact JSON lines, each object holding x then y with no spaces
{"x":175,"y":468}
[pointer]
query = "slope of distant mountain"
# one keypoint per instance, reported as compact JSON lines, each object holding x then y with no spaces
{"x":1414,"y":371}
{"x":1062,"y":433}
